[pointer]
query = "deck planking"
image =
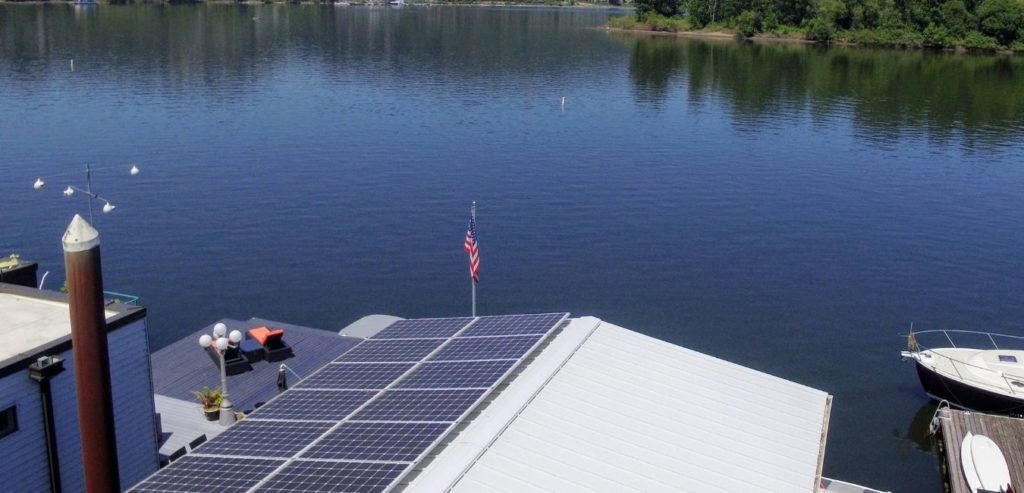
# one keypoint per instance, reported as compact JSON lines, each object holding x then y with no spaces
{"x":1006,"y":432}
{"x":184,"y":366}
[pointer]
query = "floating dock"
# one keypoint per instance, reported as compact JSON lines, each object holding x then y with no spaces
{"x":1006,"y":432}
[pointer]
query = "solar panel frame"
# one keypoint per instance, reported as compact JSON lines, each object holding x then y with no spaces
{"x":444,"y":405}
{"x":209,"y":475}
{"x":351,"y":376}
{"x":457,"y":374}
{"x":331,"y":476}
{"x":391,"y":351}
{"x":487,"y":348}
{"x":313,"y":405}
{"x":393,"y":401}
{"x":511,"y":325}
{"x":264,"y":439}
{"x":377,"y":441}
{"x":423,"y":328}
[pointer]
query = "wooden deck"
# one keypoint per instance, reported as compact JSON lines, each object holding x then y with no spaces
{"x":183,"y":366}
{"x":1007,"y":433}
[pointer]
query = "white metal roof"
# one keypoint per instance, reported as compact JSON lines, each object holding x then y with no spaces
{"x":603,"y":408}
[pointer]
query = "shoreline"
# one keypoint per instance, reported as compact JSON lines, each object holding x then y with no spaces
{"x":767,"y":39}
{"x":719,"y":35}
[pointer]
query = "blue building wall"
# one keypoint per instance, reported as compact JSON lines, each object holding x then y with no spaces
{"x":23,"y":453}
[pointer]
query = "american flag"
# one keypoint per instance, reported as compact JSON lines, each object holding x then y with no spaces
{"x":474,"y":254}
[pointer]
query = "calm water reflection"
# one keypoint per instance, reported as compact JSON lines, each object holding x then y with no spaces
{"x":782,"y":206}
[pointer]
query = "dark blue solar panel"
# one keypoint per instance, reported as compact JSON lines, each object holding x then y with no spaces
{"x":420,"y":405}
{"x":321,"y":476}
{"x":354,"y":376}
{"x":323,"y":405}
{"x":209,"y":475}
{"x":423,"y":327}
{"x":513,"y":347}
{"x":513,"y":325}
{"x":410,"y":350}
{"x":265,"y":438}
{"x":361,"y":441}
{"x":456,"y":374}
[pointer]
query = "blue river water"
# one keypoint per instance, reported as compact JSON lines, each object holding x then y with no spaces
{"x":786,"y":207}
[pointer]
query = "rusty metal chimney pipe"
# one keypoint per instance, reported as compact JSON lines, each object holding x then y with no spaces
{"x":91,"y":358}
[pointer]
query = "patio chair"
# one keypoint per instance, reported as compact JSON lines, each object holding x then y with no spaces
{"x":272,"y":340}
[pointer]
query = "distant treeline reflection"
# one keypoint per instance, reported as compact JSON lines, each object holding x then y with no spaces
{"x":884,"y":90}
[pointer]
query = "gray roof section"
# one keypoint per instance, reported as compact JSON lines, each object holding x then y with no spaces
{"x":184,"y":366}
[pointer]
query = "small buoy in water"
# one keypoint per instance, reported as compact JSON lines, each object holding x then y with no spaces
{"x":563,"y":103}
{"x":72,"y":64}
{"x":135,"y":170}
{"x":39,"y":184}
{"x":108,"y":207}
{"x":69,"y":191}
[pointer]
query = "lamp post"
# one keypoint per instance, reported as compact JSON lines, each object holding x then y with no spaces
{"x":221,"y":341}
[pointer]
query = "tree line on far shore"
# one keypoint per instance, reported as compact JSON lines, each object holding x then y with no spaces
{"x":991,"y":24}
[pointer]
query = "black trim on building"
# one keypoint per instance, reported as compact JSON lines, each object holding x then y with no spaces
{"x":125,"y":316}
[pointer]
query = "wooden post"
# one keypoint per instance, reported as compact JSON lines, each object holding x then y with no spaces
{"x":91,"y":357}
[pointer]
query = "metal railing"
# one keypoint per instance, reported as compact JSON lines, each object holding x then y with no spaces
{"x":1011,"y":343}
{"x":121,"y":297}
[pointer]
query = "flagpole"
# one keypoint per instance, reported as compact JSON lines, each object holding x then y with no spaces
{"x":472,"y":282}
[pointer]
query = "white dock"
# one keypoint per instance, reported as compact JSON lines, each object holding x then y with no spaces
{"x":184,"y":426}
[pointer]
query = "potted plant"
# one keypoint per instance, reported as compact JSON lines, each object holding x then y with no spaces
{"x":210,"y":399}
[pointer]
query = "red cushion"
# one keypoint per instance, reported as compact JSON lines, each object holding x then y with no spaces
{"x":263,"y":334}
{"x":260,"y":334}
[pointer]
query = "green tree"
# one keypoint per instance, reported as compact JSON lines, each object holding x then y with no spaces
{"x":957,"y":18}
{"x":666,"y":8}
{"x":748,"y":23}
{"x":699,"y":12}
{"x":1001,"y":19}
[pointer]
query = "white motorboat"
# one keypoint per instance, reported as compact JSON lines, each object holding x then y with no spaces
{"x":979,"y":371}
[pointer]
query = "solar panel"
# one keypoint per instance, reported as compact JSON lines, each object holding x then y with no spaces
{"x":474,"y":348}
{"x":324,"y":476}
{"x":386,"y":441}
{"x":398,"y":421}
{"x":456,"y":374}
{"x":310,"y":405}
{"x":410,"y":350}
{"x":354,"y":376}
{"x":420,"y":405}
{"x":209,"y":475}
{"x":265,"y":438}
{"x":423,"y":327}
{"x":513,"y":325}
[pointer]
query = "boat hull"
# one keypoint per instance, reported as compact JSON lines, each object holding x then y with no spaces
{"x":967,"y":396}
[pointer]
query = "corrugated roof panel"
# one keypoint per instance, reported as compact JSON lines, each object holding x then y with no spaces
{"x":629,"y":412}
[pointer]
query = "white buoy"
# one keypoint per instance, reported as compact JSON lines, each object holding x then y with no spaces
{"x":563,"y":103}
{"x":39,"y":184}
{"x":108,"y":208}
{"x":72,"y":64}
{"x":135,"y":170}
{"x":69,"y":191}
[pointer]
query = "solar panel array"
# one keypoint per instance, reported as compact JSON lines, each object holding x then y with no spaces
{"x":363,"y":421}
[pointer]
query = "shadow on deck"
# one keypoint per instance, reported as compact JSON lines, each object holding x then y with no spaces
{"x":184,"y":366}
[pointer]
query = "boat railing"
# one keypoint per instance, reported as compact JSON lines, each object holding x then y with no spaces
{"x":917,"y":347}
